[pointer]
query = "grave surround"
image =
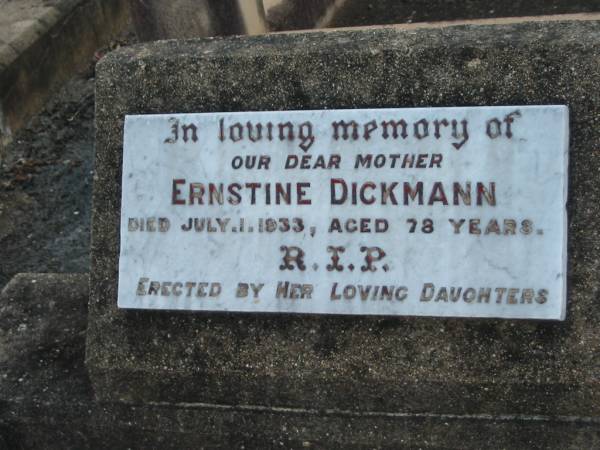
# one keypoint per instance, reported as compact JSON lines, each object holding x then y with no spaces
{"x":353,"y":363}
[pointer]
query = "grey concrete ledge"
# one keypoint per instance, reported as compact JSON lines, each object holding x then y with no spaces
{"x":443,"y":24}
{"x":44,"y":43}
{"x":46,"y":399}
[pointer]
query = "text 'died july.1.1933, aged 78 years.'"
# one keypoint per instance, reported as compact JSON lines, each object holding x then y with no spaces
{"x":429,"y":212}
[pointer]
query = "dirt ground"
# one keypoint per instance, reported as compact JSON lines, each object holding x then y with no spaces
{"x":46,"y":179}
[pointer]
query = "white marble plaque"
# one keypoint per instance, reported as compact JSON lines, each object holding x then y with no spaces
{"x":419,"y":212}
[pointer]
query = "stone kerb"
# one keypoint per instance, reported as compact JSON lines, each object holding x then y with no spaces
{"x":367,"y":364}
{"x":42,"y":44}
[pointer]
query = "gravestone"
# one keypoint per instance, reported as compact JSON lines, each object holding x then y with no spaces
{"x":242,"y":355}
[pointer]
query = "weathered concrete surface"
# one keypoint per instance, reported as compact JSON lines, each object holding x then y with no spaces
{"x":46,"y":400}
{"x":382,"y":364}
{"x":43,"y":319}
{"x":381,"y":12}
{"x":42,"y":43}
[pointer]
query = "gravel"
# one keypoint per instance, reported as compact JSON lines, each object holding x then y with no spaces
{"x":46,"y":184}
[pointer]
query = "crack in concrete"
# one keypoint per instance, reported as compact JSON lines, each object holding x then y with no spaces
{"x":372,"y":414}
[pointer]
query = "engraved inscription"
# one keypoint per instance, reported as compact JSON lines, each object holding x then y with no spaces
{"x":432,"y":211}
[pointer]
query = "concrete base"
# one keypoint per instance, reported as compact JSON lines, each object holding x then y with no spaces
{"x":46,"y":400}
